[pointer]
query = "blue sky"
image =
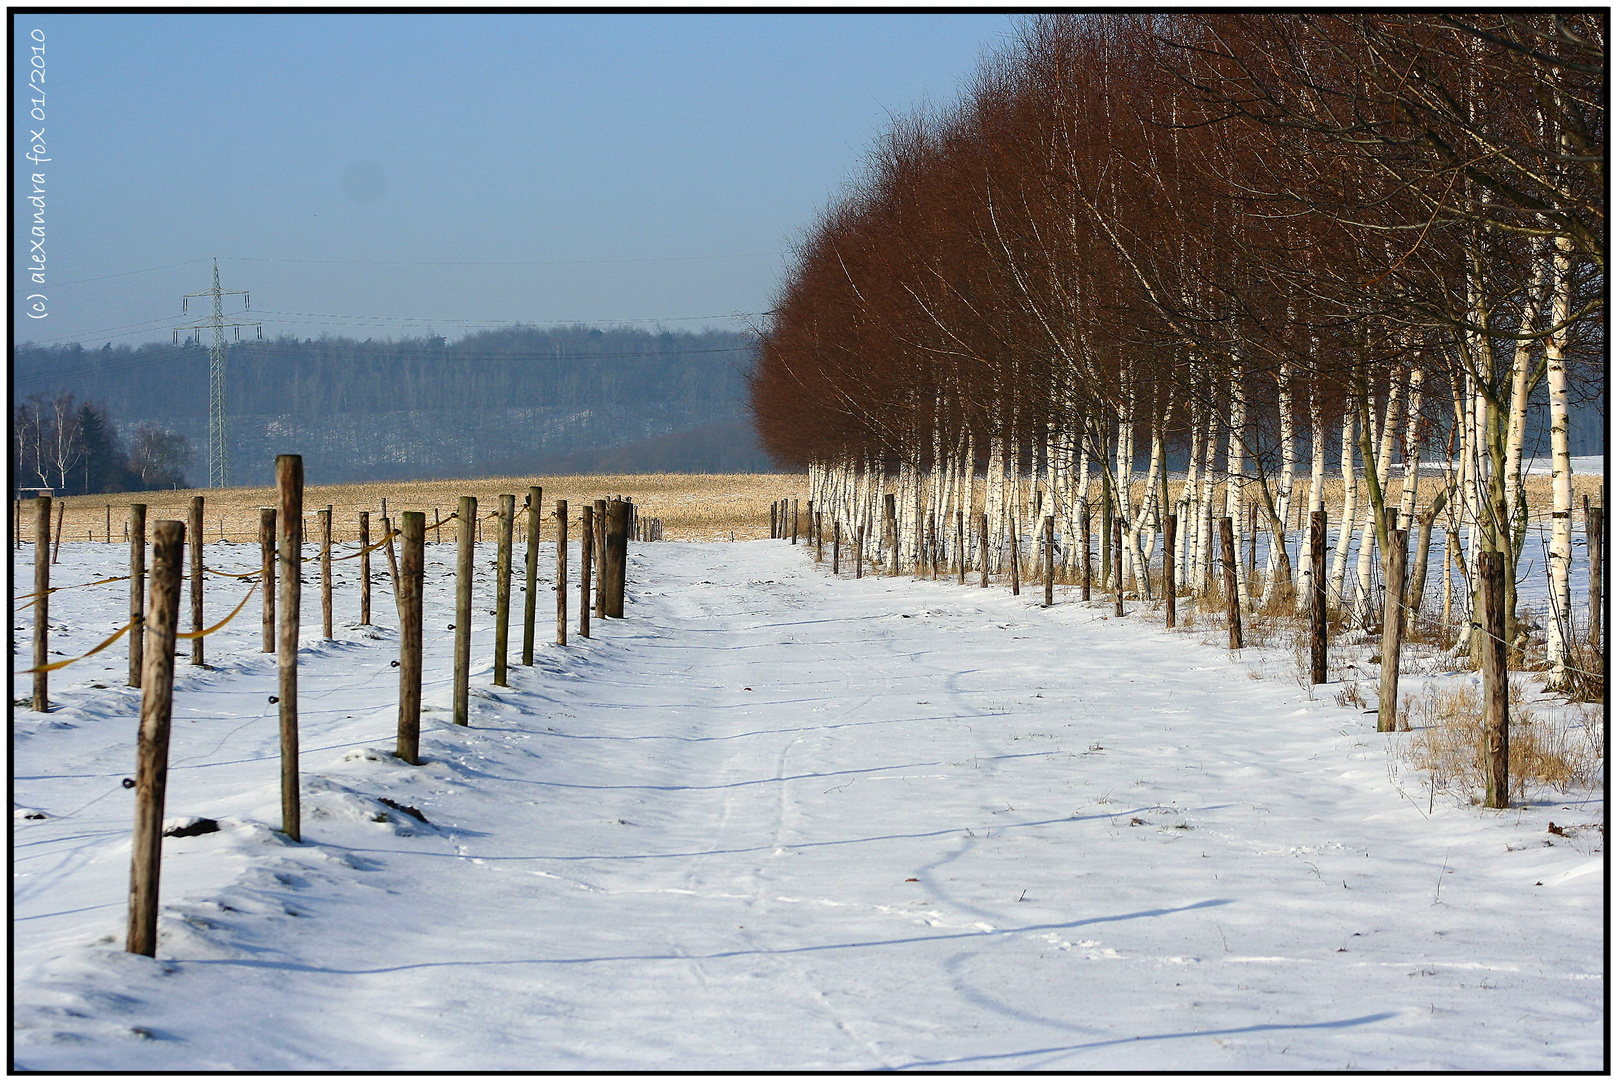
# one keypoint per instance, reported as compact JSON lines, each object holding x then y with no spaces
{"x":622,"y":166}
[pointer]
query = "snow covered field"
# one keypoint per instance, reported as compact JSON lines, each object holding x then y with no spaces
{"x":775,"y":820}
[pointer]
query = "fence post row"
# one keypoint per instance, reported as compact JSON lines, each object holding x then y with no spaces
{"x":137,"y":592}
{"x":151,"y":751}
{"x":464,"y":567}
{"x":411,"y":633}
{"x":289,"y":486}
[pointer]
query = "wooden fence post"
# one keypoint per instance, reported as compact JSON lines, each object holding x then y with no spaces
{"x":464,"y":568}
{"x":1395,"y":588}
{"x":1087,"y":551}
{"x":599,"y":556}
{"x":795,"y":518}
{"x":1494,"y":666}
{"x":529,"y":607}
{"x":151,"y":752}
{"x":41,"y":603}
{"x":364,"y":566}
{"x":392,"y":557}
{"x":1168,"y":572}
{"x":109,"y":523}
{"x":586,"y":570}
{"x":266,"y":546}
{"x":888,"y":531}
{"x":1116,"y":563}
{"x":560,"y":571}
{"x":773,"y":520}
{"x":501,"y":602}
{"x":858,"y":550}
{"x":1230,"y":585}
{"x":289,"y":522}
{"x":930,"y":525}
{"x":1319,"y":597}
{"x":137,"y":591}
{"x":1014,"y":557}
{"x":411,"y":632}
{"x":1048,"y":561}
{"x":193,"y":532}
{"x":835,"y":550}
{"x":325,"y":609}
{"x":958,"y":543}
{"x":614,"y":569}
{"x":985,"y":549}
{"x":61,"y":518}
{"x":1594,"y":576}
{"x":818,"y":533}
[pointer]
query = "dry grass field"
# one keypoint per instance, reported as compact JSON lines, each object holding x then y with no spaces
{"x":691,"y":507}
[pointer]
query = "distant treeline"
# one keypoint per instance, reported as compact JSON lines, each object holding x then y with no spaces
{"x":420,"y":407}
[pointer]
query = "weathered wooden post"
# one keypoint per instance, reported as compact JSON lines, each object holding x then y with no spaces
{"x":1014,"y":557}
{"x":501,"y":601}
{"x":614,"y":567}
{"x":930,"y":525}
{"x":41,"y":603}
{"x":61,"y":518}
{"x":1594,"y":576}
{"x":1492,"y":629}
{"x":151,"y":750}
{"x":599,"y":555}
{"x":858,"y":551}
{"x":266,"y":547}
{"x":1395,"y":588}
{"x":529,"y":607}
{"x":985,"y":551}
{"x":586,"y":570}
{"x":835,"y":550}
{"x":1087,"y":552}
{"x":795,"y":517}
{"x":411,"y":632}
{"x":193,"y":531}
{"x":773,"y":520}
{"x":137,"y":591}
{"x":1319,"y":597}
{"x":888,"y":531}
{"x":392,"y":556}
{"x":109,"y":523}
{"x":1048,"y":561}
{"x":1168,"y":572}
{"x":289,"y":524}
{"x":325,"y":608}
{"x":464,"y":569}
{"x":1116,"y":563}
{"x":560,"y":571}
{"x":1230,"y":585}
{"x":364,"y":566}
{"x":818,"y":533}
{"x":958,"y":543}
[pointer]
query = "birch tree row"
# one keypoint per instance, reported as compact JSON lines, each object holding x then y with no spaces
{"x":1278,"y":252}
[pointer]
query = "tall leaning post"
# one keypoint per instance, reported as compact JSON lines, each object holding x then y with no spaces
{"x":529,"y":607}
{"x":1319,"y":597}
{"x":464,"y":568}
{"x":42,"y":603}
{"x":137,"y":592}
{"x":501,"y":591}
{"x":585,"y":570}
{"x":289,"y":537}
{"x":411,"y":632}
{"x":560,"y":571}
{"x":193,"y":532}
{"x":1395,"y":588}
{"x":151,"y":749}
{"x":266,"y":545}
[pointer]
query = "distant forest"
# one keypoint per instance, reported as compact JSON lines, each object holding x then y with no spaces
{"x":520,"y":400}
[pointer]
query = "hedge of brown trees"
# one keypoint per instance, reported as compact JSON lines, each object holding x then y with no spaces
{"x":1266,"y":244}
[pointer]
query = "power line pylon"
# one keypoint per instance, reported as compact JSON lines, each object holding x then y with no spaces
{"x":218,"y":446}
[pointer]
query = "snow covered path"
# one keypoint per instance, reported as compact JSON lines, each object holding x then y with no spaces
{"x":775,"y":820}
